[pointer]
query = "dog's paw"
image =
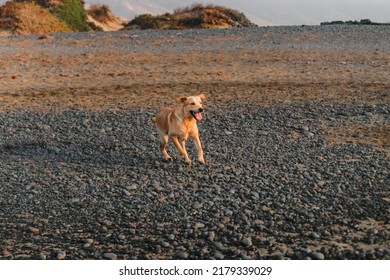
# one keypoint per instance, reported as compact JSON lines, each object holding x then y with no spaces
{"x":201,"y":161}
{"x":168,"y":159}
{"x":189,"y":162}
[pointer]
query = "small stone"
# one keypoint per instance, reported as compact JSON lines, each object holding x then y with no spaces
{"x":247,"y":241}
{"x":182,"y":255}
{"x":244,"y":256}
{"x":198,"y":205}
{"x":315,"y":235}
{"x":317,"y":256}
{"x":321,"y":183}
{"x":255,"y":195}
{"x":156,"y":184}
{"x":131,"y":187}
{"x":41,"y":256}
{"x":192,"y":185}
{"x":171,"y":237}
{"x":199,"y":225}
{"x":89,"y":240}
{"x":61,"y":255}
{"x":107,"y":223}
{"x":219,"y":256}
{"x":165,"y":244}
{"x":110,"y":256}
{"x":211,"y":235}
{"x":33,"y":230}
{"x":305,"y":128}
{"x":219,"y":245}
{"x":126,"y":192}
{"x":308,"y":134}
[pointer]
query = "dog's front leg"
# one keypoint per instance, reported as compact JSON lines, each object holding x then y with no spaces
{"x":181,"y":149}
{"x":199,"y":147}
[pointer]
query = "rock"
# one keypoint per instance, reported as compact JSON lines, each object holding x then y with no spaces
{"x":182,"y":255}
{"x":131,"y":187}
{"x":198,"y":205}
{"x":219,"y":256}
{"x":219,"y":246}
{"x":171,"y":237}
{"x":89,"y":240}
{"x":314,"y":235}
{"x":247,"y":241}
{"x":308,"y":134}
{"x":110,"y":256}
{"x":61,"y":255}
{"x":126,"y":192}
{"x":165,"y":244}
{"x":33,"y":230}
{"x":211,"y":235}
{"x":317,"y":256}
{"x":199,"y":225}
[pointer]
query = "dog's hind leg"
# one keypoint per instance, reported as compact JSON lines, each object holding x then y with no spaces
{"x":163,"y":145}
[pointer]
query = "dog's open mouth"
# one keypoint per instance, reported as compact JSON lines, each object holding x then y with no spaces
{"x":196,"y":115}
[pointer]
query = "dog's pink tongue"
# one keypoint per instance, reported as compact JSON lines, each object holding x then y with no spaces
{"x":198,"y":116}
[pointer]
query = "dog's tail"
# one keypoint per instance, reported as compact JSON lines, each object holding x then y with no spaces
{"x":154,"y":119}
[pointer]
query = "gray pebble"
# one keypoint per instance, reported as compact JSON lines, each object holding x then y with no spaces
{"x":317,"y":256}
{"x":182,"y":255}
{"x":110,"y":256}
{"x":219,"y":256}
{"x":247,"y":241}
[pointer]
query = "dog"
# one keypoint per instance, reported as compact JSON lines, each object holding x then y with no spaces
{"x":179,"y":124}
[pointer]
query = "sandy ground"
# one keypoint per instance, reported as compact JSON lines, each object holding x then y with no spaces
{"x":94,"y":73}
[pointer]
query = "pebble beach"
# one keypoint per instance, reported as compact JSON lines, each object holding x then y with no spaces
{"x":295,"y":136}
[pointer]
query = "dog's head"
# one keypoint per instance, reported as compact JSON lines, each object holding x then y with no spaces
{"x":192,"y":105}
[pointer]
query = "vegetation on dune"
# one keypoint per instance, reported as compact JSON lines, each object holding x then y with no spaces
{"x":29,"y":18}
{"x":43,"y":16}
{"x":99,"y":12}
{"x":100,"y":17}
{"x":46,"y":16}
{"x":195,"y":16}
{"x":73,"y":14}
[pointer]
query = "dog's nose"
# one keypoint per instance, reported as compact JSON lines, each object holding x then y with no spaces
{"x":200,"y":110}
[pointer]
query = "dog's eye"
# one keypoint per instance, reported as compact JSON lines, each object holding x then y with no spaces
{"x":192,"y":103}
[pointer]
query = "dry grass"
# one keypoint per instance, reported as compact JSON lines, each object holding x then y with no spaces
{"x":29,"y":18}
{"x":101,"y":13}
{"x":195,"y":16}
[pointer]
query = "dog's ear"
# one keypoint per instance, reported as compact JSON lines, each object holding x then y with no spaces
{"x":181,"y":99}
{"x":202,"y":96}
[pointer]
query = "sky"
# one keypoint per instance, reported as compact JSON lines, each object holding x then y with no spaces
{"x":269,"y":12}
{"x":266,"y":12}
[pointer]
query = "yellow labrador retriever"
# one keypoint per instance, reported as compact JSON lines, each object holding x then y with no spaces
{"x":179,"y":123}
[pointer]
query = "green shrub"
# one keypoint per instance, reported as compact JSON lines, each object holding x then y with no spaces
{"x":73,"y":14}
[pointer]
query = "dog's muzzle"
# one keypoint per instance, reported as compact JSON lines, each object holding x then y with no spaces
{"x":197,"y":115}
